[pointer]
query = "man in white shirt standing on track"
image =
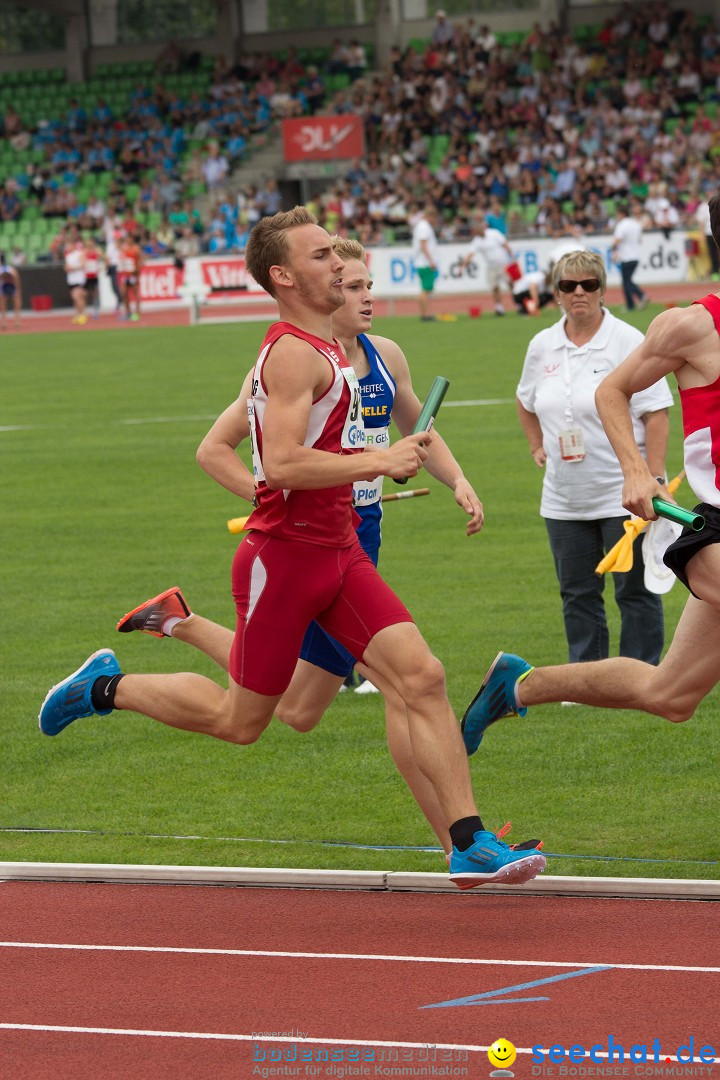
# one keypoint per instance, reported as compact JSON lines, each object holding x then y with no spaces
{"x":425,"y":257}
{"x":492,"y":245}
{"x":626,"y":252}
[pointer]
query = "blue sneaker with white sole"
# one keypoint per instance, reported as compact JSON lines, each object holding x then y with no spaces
{"x":491,"y":861}
{"x":70,"y":699}
{"x":495,"y":698}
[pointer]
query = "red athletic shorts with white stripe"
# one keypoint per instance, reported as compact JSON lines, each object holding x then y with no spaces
{"x":280,"y":586}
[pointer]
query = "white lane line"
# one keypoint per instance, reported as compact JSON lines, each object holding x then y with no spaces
{"x":295,"y":1040}
{"x":135,"y":421}
{"x":477,"y":401}
{"x":165,"y":419}
{"x":388,"y":958}
{"x":249,"y":1038}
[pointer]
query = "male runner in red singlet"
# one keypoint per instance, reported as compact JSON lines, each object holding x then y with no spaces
{"x":686,"y":343}
{"x":302,"y":560}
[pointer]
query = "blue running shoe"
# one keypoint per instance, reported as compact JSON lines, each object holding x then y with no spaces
{"x":494,"y":699}
{"x":70,"y":699}
{"x":490,"y":860}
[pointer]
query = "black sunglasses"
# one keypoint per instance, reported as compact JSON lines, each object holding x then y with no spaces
{"x":588,"y":285}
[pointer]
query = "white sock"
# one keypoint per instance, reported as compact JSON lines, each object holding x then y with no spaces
{"x":171,"y":622}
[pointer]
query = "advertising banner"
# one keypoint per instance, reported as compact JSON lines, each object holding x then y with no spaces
{"x":393,"y":271}
{"x":323,"y":138}
{"x":160,"y":280}
{"x":225,"y":277}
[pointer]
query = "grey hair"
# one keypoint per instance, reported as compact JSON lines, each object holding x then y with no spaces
{"x":586,"y":263}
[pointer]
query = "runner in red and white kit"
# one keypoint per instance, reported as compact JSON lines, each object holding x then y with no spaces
{"x":93,"y":258}
{"x":686,"y":343}
{"x":321,"y":523}
{"x":301,"y":559}
{"x":74,"y":260}
{"x":129,"y":268}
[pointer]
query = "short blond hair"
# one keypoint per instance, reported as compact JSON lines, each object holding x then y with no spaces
{"x":348,"y":249}
{"x":268,"y":246}
{"x":588,"y":263}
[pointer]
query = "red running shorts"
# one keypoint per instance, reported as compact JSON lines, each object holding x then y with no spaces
{"x":280,"y":586}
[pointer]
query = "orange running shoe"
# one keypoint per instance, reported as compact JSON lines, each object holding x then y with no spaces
{"x":149,"y":617}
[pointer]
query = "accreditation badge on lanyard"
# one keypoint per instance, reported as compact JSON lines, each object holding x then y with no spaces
{"x":571,"y":439}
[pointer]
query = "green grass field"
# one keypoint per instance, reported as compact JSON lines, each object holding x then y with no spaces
{"x":103,"y":505}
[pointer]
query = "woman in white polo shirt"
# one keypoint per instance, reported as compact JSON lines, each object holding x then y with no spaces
{"x":582,"y":486}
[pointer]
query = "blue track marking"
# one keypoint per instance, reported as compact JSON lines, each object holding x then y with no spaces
{"x":495,"y":997}
{"x":430,"y":849}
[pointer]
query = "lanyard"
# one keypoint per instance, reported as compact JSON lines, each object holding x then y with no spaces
{"x":567,"y":383}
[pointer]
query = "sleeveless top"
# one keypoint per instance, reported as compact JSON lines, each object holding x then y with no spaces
{"x":321,"y":516}
{"x":92,"y":264}
{"x":701,"y":428}
{"x":377,"y":390}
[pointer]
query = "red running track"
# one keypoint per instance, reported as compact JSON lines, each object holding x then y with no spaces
{"x":376,"y":993}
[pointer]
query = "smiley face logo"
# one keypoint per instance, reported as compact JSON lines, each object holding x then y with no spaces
{"x":502,"y":1054}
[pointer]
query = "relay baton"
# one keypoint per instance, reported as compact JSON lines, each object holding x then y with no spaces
{"x":429,"y":411}
{"x":237,"y":525}
{"x":405,"y":494}
{"x":673,"y":512}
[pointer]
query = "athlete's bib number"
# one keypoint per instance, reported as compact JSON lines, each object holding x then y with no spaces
{"x":353,"y":434}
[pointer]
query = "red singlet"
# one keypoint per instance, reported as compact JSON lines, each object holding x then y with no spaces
{"x":302,"y":559}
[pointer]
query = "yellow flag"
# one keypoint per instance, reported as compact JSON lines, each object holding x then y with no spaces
{"x":619,"y":558}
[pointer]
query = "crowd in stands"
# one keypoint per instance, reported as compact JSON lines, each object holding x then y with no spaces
{"x":543,"y":136}
{"x":541,"y":132}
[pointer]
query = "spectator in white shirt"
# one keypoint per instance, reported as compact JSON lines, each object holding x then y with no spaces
{"x":215,"y":168}
{"x":626,"y":251}
{"x":425,"y":257}
{"x":492,"y":245}
{"x":443,"y":31}
{"x":702,"y":217}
